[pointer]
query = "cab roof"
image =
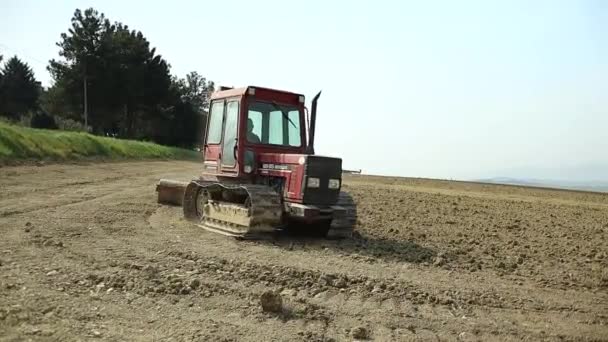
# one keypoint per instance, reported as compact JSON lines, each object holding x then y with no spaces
{"x":220,"y":94}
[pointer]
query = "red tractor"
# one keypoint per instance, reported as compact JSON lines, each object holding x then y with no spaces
{"x":260,"y":172}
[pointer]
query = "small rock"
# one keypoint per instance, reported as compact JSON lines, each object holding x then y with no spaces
{"x":289,"y":293}
{"x":439,"y":261}
{"x":271,"y":302}
{"x":360,"y":333}
{"x":326,"y":279}
{"x":323,"y":295}
{"x":48,"y":309}
{"x":96,"y":333}
{"x":130,"y":297}
{"x":52,"y":273}
{"x":377,"y":289}
{"x":47,"y":332}
{"x":195,"y":283}
{"x":340,"y":283}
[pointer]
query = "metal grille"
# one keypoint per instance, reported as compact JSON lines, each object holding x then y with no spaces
{"x":324,"y":168}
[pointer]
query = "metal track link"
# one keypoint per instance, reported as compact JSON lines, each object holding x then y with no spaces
{"x":257,"y":217}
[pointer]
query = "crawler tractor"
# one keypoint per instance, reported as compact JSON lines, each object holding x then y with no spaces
{"x":260,"y":173}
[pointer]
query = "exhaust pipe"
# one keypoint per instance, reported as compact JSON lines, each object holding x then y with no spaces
{"x":171,"y":192}
{"x":313,"y":122}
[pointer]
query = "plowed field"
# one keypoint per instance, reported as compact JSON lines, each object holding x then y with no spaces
{"x":87,"y":253}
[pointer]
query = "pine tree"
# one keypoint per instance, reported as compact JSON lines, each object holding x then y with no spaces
{"x":19,"y":90}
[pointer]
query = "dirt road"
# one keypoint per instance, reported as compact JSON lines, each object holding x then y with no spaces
{"x":86,"y":253}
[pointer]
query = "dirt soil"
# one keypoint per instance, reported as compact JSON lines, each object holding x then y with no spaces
{"x":86,"y":253}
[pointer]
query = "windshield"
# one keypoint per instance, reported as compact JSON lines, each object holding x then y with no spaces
{"x":273,"y":124}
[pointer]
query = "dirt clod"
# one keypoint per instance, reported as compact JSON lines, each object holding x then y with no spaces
{"x":271,"y":302}
{"x":340,"y":283}
{"x":195,"y":283}
{"x":439,"y":261}
{"x":360,"y":333}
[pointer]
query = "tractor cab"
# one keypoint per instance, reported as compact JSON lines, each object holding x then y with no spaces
{"x":246,"y":122}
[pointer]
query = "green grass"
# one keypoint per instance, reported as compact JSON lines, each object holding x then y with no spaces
{"x":23,"y":143}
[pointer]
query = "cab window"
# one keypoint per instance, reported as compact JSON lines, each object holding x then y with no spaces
{"x":273,"y":124}
{"x":214,"y":135}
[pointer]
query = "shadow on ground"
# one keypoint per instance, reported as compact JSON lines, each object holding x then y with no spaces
{"x":359,"y":246}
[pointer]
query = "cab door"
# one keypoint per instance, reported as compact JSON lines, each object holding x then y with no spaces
{"x":212,"y":148}
{"x":229,"y":154}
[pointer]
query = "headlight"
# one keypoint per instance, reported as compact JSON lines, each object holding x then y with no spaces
{"x":334,"y":184}
{"x":247,"y":169}
{"x":313,"y":182}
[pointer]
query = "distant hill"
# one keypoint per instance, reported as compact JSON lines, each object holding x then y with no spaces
{"x":600,"y":186}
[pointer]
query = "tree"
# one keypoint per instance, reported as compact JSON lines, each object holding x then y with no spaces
{"x":142,"y":79}
{"x":83,"y":50}
{"x":126,"y":80}
{"x":197,"y":90}
{"x":58,"y":101}
{"x":42,"y":119}
{"x":191,"y":104}
{"x":1,"y":87}
{"x":18,"y":88}
{"x":130,"y":90}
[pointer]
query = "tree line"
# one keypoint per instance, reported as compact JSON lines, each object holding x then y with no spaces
{"x":109,"y":81}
